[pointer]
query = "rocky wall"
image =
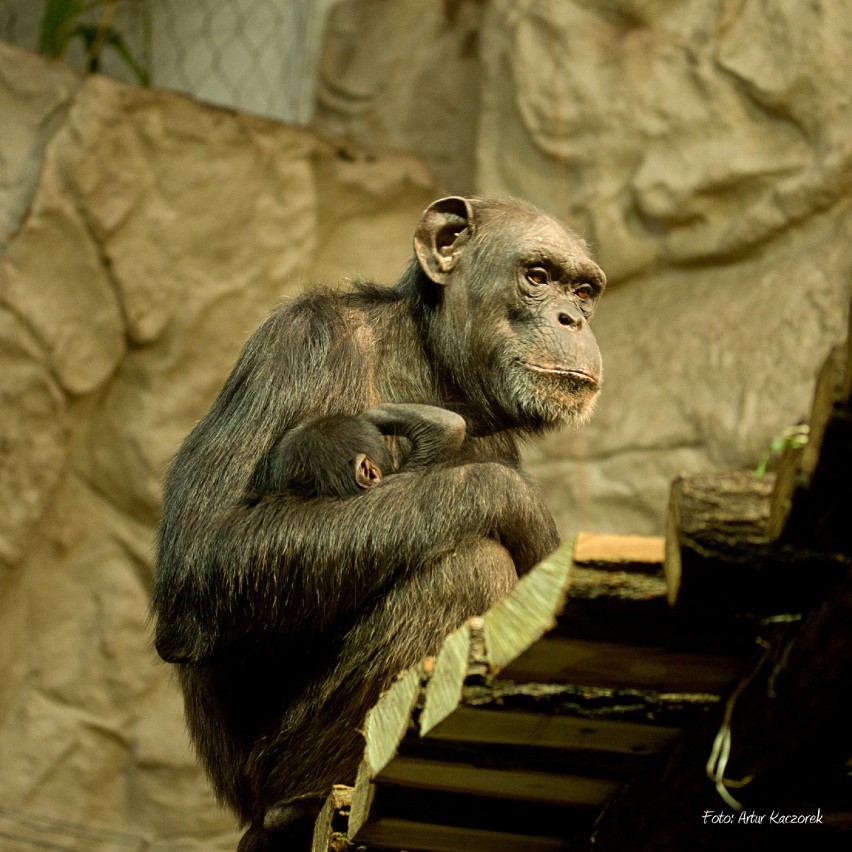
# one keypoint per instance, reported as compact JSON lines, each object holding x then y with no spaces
{"x":145,"y":235}
{"x":702,"y":147}
{"x":705,"y":151}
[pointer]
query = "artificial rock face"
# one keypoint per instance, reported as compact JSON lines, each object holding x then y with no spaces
{"x":147,"y":235}
{"x":703,"y":150}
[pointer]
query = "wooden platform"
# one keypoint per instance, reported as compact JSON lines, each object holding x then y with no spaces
{"x":627,"y":685}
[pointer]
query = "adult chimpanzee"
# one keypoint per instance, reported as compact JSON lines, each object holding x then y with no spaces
{"x":336,"y":455}
{"x":287,"y":617}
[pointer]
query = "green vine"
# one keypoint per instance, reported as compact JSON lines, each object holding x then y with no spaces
{"x":62,"y":23}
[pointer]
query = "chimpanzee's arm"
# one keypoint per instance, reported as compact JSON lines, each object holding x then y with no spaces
{"x":436,"y":434}
{"x":289,"y":567}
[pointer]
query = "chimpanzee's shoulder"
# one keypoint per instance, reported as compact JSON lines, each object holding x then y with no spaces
{"x":320,"y":302}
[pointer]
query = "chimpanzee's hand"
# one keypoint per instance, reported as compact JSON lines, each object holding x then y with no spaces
{"x":436,"y":434}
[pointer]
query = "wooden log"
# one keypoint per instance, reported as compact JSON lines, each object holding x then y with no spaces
{"x":810,"y":505}
{"x":668,"y":710}
{"x":721,"y":561}
{"x":710,"y":516}
{"x":614,"y":605}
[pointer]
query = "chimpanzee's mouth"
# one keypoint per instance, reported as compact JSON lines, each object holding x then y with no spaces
{"x":576,"y":375}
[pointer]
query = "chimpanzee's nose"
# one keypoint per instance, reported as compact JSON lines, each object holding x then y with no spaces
{"x":571,"y":318}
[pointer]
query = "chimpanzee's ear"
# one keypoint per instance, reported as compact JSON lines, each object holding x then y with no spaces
{"x":367,"y":473}
{"x":443,"y":230}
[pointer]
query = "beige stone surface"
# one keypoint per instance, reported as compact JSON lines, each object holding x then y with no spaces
{"x":704,"y":150}
{"x":33,"y":101}
{"x":33,"y":409}
{"x":405,"y":75}
{"x":670,"y":132}
{"x":160,"y":232}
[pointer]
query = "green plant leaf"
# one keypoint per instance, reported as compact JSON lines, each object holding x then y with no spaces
{"x":120,"y":46}
{"x":95,"y":38}
{"x":57,"y":26}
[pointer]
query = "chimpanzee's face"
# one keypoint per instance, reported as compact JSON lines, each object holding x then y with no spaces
{"x":519,"y":292}
{"x":551,"y":361}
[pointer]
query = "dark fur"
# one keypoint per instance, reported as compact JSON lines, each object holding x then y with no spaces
{"x":287,"y":617}
{"x":321,"y":458}
{"x":340,"y":455}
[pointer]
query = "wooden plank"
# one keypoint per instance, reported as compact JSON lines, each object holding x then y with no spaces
{"x":619,"y":552}
{"x":362,"y":800}
{"x":322,"y":827}
{"x":387,"y":721}
{"x":330,"y":827}
{"x":611,"y":665}
{"x":465,"y":811}
{"x":510,"y":757}
{"x":444,"y":691}
{"x":533,"y":786}
{"x":395,"y":834}
{"x":529,"y":610}
{"x":384,"y":729}
{"x":495,"y":727}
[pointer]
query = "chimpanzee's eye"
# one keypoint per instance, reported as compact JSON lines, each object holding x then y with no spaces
{"x":584,"y":292}
{"x":537,"y":276}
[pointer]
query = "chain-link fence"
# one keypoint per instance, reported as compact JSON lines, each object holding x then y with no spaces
{"x":255,"y":55}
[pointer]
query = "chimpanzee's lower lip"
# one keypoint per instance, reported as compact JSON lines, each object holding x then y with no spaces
{"x":578,"y":375}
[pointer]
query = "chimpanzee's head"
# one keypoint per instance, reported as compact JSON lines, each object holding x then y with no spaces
{"x":515,"y":293}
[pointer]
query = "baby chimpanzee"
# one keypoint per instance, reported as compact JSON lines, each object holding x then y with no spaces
{"x":338,"y":455}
